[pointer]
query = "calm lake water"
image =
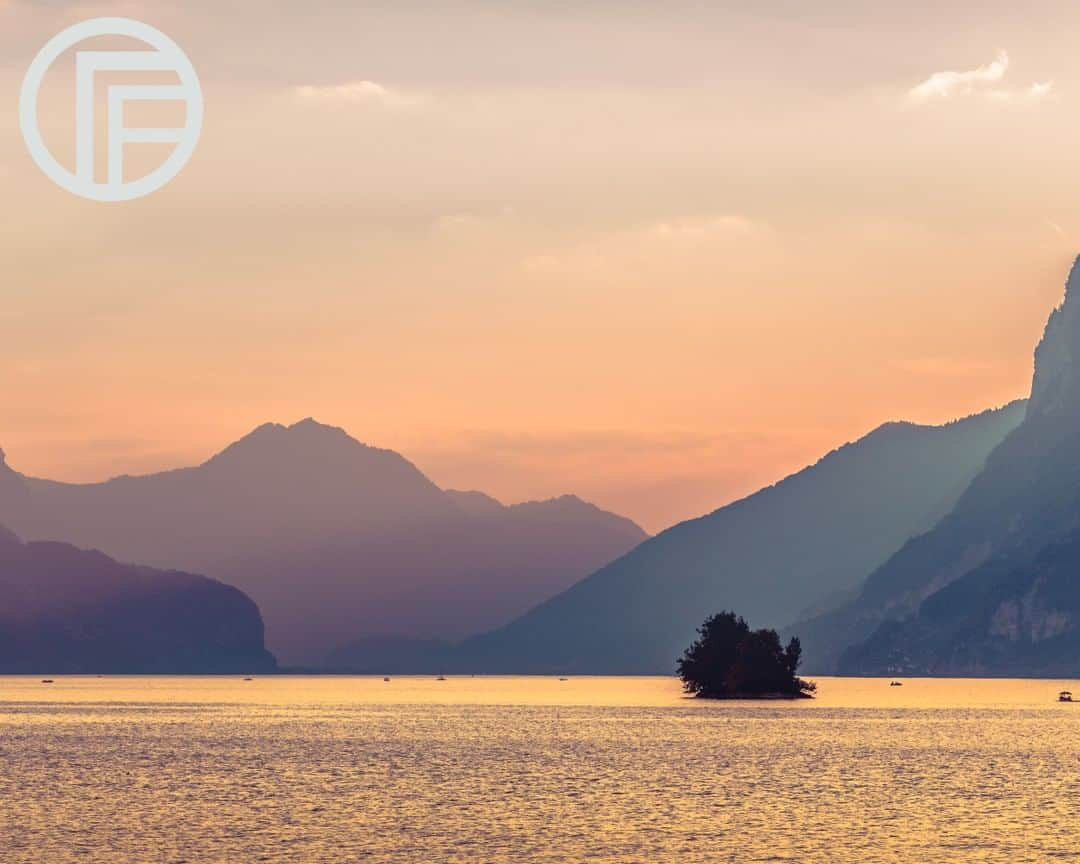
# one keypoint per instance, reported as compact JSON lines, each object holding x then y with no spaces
{"x":309,"y":770}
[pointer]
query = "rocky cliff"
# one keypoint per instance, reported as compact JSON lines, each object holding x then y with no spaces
{"x":974,"y":593}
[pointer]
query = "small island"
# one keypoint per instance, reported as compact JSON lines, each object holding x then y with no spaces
{"x":731,"y":661}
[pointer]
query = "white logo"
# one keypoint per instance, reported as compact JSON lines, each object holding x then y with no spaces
{"x":166,"y":57}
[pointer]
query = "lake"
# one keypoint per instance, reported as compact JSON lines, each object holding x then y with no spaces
{"x":327,"y":769}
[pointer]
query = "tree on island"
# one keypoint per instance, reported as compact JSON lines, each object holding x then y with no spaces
{"x":731,"y":661}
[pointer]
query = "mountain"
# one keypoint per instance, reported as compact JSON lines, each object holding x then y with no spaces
{"x":393,"y":656}
{"x":475,"y":503}
{"x":440,"y":580}
{"x":275,"y":488}
{"x":987,"y":590}
{"x":1005,"y":618}
{"x":806,"y":542}
{"x":74,"y":612}
{"x":335,"y":540}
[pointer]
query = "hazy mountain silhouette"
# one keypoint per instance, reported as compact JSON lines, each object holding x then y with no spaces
{"x":475,"y":503}
{"x":273,"y":488}
{"x":334,"y":540}
{"x":1013,"y":616}
{"x":69,"y":611}
{"x":809,"y":539}
{"x":1002,"y":556}
{"x":394,"y":656}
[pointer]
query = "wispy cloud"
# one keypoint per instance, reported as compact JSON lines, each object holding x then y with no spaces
{"x":941,"y":85}
{"x":456,"y":222}
{"x":725,"y":238}
{"x":693,"y":229}
{"x":359,"y":93}
{"x":980,"y":81}
{"x":1054,"y":226}
{"x":1034,"y":93}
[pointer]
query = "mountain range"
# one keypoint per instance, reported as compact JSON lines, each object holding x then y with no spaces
{"x":994,"y":587}
{"x":915,"y":550}
{"x":805,"y":543}
{"x":75,"y":612}
{"x":334,"y":540}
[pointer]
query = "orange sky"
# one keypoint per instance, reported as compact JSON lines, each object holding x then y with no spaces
{"x":654,"y":254}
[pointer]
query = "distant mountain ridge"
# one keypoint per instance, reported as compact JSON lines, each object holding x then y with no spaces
{"x":74,"y":612}
{"x":335,"y":540}
{"x":806,"y":540}
{"x":992,"y":588}
{"x":276,"y":485}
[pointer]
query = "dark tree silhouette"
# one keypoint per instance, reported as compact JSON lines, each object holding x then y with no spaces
{"x":729,"y":660}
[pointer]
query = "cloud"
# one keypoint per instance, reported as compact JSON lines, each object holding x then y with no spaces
{"x":698,"y":229}
{"x":1034,"y":93}
{"x":941,"y":85}
{"x":453,"y":223}
{"x":732,"y":241}
{"x":1053,"y":226}
{"x":357,"y":93}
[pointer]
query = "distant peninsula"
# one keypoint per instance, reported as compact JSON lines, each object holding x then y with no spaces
{"x":73,"y":612}
{"x":728,"y":660}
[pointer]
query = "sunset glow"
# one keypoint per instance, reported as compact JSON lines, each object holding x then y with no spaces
{"x":658,"y":268}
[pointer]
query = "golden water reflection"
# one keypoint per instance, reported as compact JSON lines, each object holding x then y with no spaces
{"x":327,"y":769}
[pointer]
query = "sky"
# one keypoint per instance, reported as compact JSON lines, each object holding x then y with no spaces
{"x":657,"y":255}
